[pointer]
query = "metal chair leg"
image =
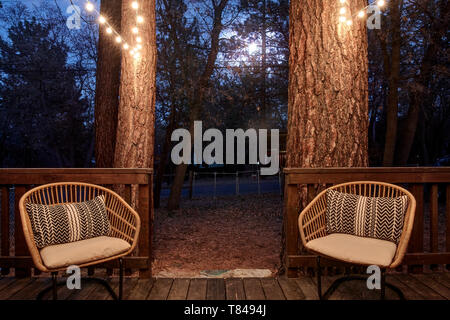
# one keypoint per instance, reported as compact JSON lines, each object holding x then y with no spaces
{"x":55,"y":285}
{"x":383,"y":284}
{"x":341,"y":280}
{"x":319,"y":278}
{"x":120,"y":278}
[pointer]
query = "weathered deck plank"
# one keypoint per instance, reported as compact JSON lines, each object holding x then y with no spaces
{"x":433,"y":284}
{"x":215,"y":289}
{"x":272,"y":289}
{"x":308,"y":287}
{"x":141,"y":290}
{"x":179,"y":289}
{"x":160,"y":290}
{"x":234,"y":289}
{"x":197,"y":289}
{"x":291,"y":290}
{"x":253,"y":289}
{"x":414,"y":287}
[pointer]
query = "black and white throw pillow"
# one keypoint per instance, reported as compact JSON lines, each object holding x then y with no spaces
{"x":374,"y":217}
{"x":63,"y":223}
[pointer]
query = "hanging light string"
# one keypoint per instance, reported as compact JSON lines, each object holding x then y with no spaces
{"x":127,"y":46}
{"x":343,"y":11}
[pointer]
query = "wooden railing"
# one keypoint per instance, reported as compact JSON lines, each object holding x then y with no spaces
{"x":14,"y":183}
{"x":430,"y":239}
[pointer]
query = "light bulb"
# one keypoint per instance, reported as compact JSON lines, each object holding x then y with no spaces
{"x":89,"y":7}
{"x":109,"y":30}
{"x":118,"y":39}
{"x":361,"y":14}
{"x":126,"y":46}
{"x":101,"y":19}
{"x":380,"y":3}
{"x":135,"y":5}
{"x":139,"y":47}
{"x":135,"y":30}
{"x":137,"y":55}
{"x":342,"y":1}
{"x":342,"y":19}
{"x":140,"y":19}
{"x":139,"y":39}
{"x":342,"y":11}
{"x":349,"y":22}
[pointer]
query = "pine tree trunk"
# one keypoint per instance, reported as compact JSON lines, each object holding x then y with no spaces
{"x":393,"y":71}
{"x":328,"y":87}
{"x":328,"y":91}
{"x":136,"y":119}
{"x":107,"y":89}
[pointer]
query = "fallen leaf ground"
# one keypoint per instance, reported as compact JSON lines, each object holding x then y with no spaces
{"x":238,"y":232}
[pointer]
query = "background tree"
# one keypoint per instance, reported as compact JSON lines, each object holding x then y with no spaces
{"x":107,"y":87}
{"x":43,"y":114}
{"x":200,"y":86}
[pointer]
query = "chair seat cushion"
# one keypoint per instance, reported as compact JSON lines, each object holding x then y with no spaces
{"x":354,"y":249}
{"x":84,"y":251}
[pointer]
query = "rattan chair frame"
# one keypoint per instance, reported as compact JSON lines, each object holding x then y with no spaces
{"x":312,"y":220}
{"x":124,"y":220}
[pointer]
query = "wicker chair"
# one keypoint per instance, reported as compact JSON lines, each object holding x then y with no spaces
{"x":124,"y":221}
{"x":312,"y":225}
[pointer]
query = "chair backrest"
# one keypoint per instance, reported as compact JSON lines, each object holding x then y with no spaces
{"x":383,"y":189}
{"x":68,"y":192}
{"x":372,"y":189}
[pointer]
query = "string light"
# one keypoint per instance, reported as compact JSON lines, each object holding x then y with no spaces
{"x":90,"y":7}
{"x":361,"y":13}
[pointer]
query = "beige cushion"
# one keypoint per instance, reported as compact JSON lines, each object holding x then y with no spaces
{"x":355,"y":249}
{"x":79,"y":252}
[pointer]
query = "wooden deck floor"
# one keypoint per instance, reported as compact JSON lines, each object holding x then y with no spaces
{"x":417,"y":286}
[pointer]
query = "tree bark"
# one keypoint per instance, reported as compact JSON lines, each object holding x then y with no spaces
{"x":136,"y":118}
{"x":328,"y":91}
{"x":196,"y":105}
{"x":107,"y":87}
{"x":328,"y":87}
{"x":393,"y":83}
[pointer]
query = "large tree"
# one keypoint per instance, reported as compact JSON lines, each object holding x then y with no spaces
{"x":328,"y":88}
{"x":107,"y":88}
{"x":136,"y":117}
{"x":328,"y":99}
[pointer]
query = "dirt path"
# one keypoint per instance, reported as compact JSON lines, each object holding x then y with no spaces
{"x":228,"y":233}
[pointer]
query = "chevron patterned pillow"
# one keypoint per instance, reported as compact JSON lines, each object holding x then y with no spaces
{"x":63,"y":223}
{"x":373,"y":217}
